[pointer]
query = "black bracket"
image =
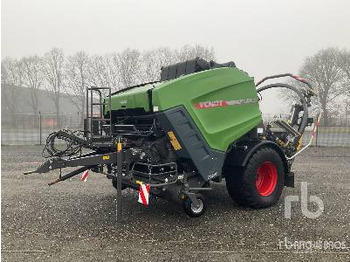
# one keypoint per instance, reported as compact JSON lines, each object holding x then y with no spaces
{"x":91,"y":159}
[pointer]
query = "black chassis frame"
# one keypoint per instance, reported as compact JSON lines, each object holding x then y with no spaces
{"x":208,"y":162}
{"x":175,"y":189}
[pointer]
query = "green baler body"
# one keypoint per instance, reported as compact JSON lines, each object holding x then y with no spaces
{"x":222,"y":102}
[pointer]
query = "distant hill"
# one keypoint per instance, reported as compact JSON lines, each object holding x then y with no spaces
{"x":16,"y":99}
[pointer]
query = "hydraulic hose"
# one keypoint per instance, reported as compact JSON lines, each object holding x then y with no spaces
{"x":303,"y":124}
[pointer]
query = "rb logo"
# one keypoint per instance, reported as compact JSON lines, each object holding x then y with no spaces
{"x":304,"y":201}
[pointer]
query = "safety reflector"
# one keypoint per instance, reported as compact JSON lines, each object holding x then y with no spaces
{"x":84,"y":176}
{"x":144,"y":194}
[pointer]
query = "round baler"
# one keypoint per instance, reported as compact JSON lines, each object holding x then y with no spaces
{"x":198,"y":125}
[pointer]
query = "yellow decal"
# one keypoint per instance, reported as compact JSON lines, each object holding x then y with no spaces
{"x":105,"y":157}
{"x":119,"y":147}
{"x":300,"y":143}
{"x":173,"y":140}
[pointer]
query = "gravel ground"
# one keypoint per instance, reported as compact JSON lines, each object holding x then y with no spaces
{"x":76,"y":221}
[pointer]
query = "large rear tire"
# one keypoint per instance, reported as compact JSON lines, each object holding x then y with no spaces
{"x":260,"y":183}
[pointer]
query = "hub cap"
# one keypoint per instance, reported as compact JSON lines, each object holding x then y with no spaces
{"x":266,"y":178}
{"x":198,"y":209}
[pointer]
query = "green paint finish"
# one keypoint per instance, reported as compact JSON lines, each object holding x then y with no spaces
{"x":133,"y":98}
{"x":219,"y":125}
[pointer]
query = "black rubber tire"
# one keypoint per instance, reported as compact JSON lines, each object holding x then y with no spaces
{"x":240,"y":181}
{"x":190,"y":210}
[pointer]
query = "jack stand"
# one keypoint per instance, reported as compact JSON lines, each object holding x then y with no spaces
{"x":119,"y":180}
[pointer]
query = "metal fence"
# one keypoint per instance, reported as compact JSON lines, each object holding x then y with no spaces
{"x":29,"y":129}
{"x":336,"y":136}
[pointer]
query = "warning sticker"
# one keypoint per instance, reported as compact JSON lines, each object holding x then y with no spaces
{"x":173,"y":140}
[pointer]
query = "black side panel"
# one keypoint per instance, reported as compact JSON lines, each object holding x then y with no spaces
{"x":217,"y":65}
{"x":165,"y":72}
{"x":189,"y":67}
{"x":208,"y":162}
{"x":183,"y":68}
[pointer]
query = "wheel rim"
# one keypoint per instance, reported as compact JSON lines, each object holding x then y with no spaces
{"x":266,"y":178}
{"x":197,"y":210}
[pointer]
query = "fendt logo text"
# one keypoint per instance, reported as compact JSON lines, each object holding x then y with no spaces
{"x":224,"y":103}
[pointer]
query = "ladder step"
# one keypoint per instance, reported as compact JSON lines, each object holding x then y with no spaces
{"x":100,"y":104}
{"x":98,"y":88}
{"x":94,"y":103}
{"x":107,"y":119}
{"x":97,"y":119}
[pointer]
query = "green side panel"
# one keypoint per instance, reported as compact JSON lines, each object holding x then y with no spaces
{"x":220,"y":125}
{"x":133,"y":98}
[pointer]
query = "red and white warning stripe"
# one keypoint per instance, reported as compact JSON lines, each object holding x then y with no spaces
{"x":299,"y":78}
{"x":84,"y":176}
{"x":144,"y":194}
{"x":314,"y":130}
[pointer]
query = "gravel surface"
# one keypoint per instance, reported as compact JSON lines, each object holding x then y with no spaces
{"x":76,"y":221}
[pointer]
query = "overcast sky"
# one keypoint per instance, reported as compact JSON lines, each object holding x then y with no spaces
{"x":263,"y":37}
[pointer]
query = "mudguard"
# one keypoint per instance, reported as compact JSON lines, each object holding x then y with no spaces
{"x":240,"y":153}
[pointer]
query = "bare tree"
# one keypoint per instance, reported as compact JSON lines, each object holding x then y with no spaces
{"x":97,"y":71}
{"x":323,"y":71}
{"x":103,"y":72}
{"x":130,"y":67}
{"x":116,"y":70}
{"x":12,"y":72}
{"x":155,"y":59}
{"x":188,"y":52}
{"x":12,"y":81}
{"x":113,"y":71}
{"x":33,"y":79}
{"x":77,"y":79}
{"x":344,"y":65}
{"x":128,"y":63}
{"x":53,"y":72}
{"x":152,"y":62}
